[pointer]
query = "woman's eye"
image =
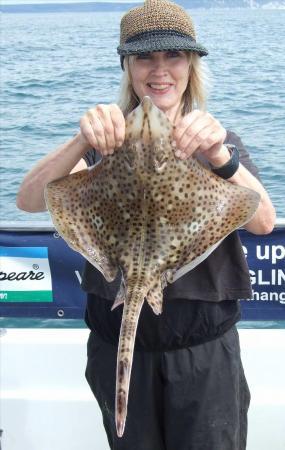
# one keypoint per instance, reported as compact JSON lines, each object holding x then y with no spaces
{"x":173,"y":54}
{"x":143,"y":56}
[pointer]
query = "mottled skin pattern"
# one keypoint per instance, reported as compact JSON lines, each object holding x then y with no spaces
{"x":148,"y":214}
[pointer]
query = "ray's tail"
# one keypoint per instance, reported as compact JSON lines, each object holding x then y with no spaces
{"x":132,"y":309}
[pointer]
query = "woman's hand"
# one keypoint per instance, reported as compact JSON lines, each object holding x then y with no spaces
{"x":200,"y":131}
{"x":103,"y":128}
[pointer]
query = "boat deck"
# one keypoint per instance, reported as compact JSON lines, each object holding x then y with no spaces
{"x":46,"y":402}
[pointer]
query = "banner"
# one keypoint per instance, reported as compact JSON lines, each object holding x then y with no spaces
{"x":40,"y":276}
{"x":266,"y":260}
{"x":27,"y":275}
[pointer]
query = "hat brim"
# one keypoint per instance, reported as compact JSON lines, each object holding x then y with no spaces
{"x":160,"y":41}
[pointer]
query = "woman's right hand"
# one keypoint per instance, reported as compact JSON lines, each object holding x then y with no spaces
{"x":103,"y":128}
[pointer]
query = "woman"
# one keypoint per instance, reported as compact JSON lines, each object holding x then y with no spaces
{"x":188,"y":388}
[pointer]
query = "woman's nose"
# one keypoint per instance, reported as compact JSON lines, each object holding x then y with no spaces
{"x":159,"y":64}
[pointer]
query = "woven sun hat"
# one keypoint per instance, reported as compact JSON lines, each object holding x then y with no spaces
{"x":157,"y":25}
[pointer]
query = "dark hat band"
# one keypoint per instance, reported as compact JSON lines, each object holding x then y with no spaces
{"x":160,"y":40}
{"x":154,"y":33}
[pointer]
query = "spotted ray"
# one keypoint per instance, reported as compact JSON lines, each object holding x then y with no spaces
{"x":148,"y":214}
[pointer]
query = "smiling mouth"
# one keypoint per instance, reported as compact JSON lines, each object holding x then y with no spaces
{"x":159,"y":86}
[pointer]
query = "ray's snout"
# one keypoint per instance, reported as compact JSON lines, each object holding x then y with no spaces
{"x":147,"y":123}
{"x":146,"y":104}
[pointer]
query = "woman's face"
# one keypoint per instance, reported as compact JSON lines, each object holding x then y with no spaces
{"x":163,"y":76}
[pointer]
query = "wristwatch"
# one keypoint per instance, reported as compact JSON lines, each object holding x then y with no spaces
{"x":229,"y":169}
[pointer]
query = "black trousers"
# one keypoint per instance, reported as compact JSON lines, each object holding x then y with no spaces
{"x":188,"y":399}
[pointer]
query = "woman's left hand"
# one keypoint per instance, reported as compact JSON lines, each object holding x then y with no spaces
{"x":199,"y":131}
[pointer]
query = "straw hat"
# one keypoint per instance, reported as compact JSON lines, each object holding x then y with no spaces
{"x":158,"y":25}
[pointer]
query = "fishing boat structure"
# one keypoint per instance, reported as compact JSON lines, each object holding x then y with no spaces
{"x":45,"y":400}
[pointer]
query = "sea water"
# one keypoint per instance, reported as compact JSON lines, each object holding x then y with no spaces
{"x":55,"y":66}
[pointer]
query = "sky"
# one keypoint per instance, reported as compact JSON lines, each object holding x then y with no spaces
{"x":24,"y":2}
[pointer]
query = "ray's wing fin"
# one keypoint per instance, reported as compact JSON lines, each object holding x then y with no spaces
{"x":232,"y":213}
{"x":196,"y":227}
{"x":79,"y":213}
{"x":176,"y":274}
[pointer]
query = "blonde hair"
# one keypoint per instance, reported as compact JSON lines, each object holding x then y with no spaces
{"x":193,"y":97}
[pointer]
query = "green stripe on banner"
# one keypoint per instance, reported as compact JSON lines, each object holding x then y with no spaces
{"x":26,"y":296}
